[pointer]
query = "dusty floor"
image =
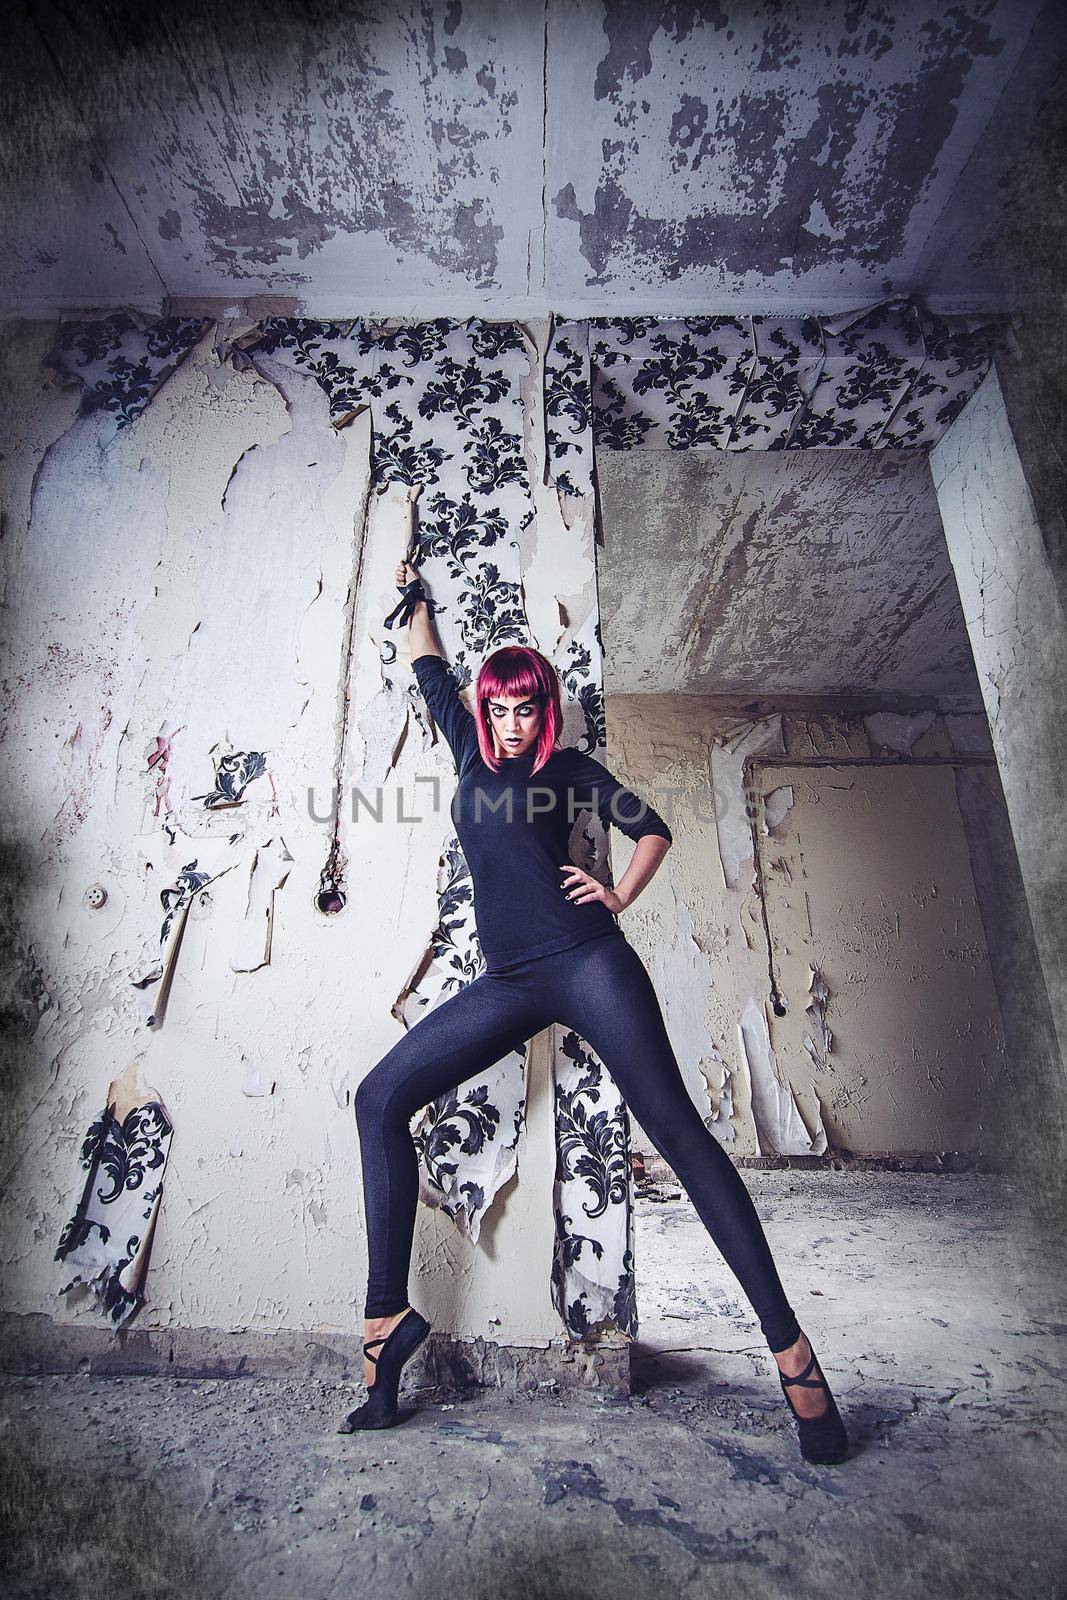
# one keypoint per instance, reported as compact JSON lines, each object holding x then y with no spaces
{"x":941,"y":1322}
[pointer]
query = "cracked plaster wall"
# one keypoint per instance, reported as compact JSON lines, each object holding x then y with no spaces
{"x":794,"y":573}
{"x":879,"y":860}
{"x":196,"y":573}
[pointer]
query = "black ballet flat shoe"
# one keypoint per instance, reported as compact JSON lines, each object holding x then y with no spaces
{"x":823,"y":1439}
{"x":379,"y":1410}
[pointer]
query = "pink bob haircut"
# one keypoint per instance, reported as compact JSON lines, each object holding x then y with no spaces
{"x":519,"y":672}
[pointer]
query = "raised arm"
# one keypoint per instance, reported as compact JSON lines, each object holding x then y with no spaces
{"x":441,"y":693}
{"x":421,"y":632}
{"x":438,"y":686}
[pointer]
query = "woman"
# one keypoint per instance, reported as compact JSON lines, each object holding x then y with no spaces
{"x":554,"y":953}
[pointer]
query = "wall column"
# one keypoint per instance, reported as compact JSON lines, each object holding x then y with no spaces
{"x":1015,"y":621}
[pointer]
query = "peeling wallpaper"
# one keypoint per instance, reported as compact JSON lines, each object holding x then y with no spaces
{"x":885,"y":377}
{"x":188,"y":591}
{"x":866,"y":877}
{"x":200,"y":572}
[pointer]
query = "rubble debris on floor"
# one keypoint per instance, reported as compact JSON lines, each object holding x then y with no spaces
{"x":939,"y":1315}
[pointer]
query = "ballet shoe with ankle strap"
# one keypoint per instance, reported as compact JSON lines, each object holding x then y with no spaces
{"x":379,"y":1410}
{"x":823,"y":1439}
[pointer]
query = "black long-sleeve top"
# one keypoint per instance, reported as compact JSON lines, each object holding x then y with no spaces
{"x":514,"y":827}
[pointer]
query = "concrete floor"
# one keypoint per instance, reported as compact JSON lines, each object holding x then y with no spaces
{"x":940,"y":1319}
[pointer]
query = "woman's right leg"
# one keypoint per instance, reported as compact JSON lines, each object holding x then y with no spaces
{"x":461,"y":1037}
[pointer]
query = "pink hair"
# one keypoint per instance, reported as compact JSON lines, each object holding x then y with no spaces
{"x":520,"y":671}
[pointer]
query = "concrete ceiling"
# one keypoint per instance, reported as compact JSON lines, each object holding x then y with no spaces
{"x":506,"y":157}
{"x":779,"y":574}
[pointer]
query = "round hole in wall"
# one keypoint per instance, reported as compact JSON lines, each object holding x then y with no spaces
{"x":330,"y":902}
{"x":778,"y":1008}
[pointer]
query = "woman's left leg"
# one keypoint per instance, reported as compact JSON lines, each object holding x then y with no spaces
{"x":609,"y":1000}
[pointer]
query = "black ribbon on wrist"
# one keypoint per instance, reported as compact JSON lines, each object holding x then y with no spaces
{"x":411,"y":594}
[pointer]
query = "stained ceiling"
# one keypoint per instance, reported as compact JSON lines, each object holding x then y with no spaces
{"x":779,"y":574}
{"x":500,"y":156}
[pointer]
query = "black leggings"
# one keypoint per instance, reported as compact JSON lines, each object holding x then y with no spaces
{"x":602,"y":990}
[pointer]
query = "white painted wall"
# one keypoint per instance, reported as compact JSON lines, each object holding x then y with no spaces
{"x":195,"y":575}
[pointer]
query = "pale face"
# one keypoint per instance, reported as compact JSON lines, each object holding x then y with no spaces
{"x":514,"y":724}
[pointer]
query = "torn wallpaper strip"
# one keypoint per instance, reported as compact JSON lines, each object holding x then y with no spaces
{"x":157,"y":760}
{"x":123,"y":361}
{"x":780,"y":1128}
{"x":569,"y":408}
{"x":467,"y":1140}
{"x":776,"y":807}
{"x":105,"y":1246}
{"x":733,"y":826}
{"x":593,"y":1280}
{"x":234,"y":771}
{"x":208,"y":857}
{"x":822,"y":1043}
{"x":884,"y":376}
{"x":681,"y":973}
{"x":446,"y":405}
{"x":870,"y":362}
